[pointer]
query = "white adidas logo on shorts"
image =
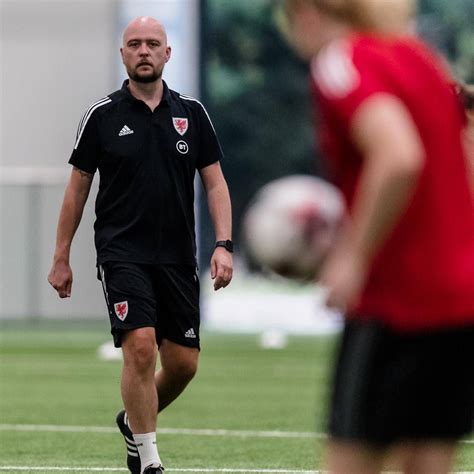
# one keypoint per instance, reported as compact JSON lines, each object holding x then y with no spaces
{"x":190,"y":333}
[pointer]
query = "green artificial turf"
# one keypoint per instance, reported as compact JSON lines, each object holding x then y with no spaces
{"x":50,"y":375}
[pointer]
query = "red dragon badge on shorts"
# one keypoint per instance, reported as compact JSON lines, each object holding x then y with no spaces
{"x":121,"y":310}
{"x":180,"y":125}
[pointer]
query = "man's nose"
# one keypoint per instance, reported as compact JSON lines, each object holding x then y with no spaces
{"x":143,"y":50}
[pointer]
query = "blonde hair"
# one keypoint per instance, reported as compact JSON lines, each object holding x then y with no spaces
{"x":384,"y":16}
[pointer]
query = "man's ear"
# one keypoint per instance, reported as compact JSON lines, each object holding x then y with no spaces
{"x":168,"y":53}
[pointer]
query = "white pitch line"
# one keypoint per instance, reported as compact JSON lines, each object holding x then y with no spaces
{"x":177,"y":431}
{"x":55,"y":468}
{"x":165,"y":431}
{"x":119,"y":469}
{"x":168,"y":469}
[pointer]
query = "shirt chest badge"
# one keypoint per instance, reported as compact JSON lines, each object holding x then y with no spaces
{"x":180,"y":125}
{"x":182,"y":147}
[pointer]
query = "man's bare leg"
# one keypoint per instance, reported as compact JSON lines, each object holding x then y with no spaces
{"x":178,"y":367}
{"x":138,"y":387}
{"x":139,"y":394}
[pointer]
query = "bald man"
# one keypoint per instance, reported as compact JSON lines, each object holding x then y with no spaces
{"x":147,"y":142}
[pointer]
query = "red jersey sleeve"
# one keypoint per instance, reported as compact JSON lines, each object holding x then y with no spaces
{"x":345,"y":74}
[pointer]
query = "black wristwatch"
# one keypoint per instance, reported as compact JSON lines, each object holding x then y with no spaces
{"x":227,"y":244}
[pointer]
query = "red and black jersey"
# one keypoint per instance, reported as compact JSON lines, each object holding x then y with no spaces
{"x":423,"y":275}
{"x":147,"y":162}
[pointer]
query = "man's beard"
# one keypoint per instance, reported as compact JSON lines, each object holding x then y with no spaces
{"x":145,"y":79}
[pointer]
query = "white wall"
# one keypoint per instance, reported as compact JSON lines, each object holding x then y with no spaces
{"x":56,"y":58}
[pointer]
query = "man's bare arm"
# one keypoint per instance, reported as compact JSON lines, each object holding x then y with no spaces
{"x":219,"y":204}
{"x":75,"y":197}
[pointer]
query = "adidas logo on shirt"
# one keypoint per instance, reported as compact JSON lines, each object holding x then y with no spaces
{"x":190,"y":333}
{"x":125,"y":131}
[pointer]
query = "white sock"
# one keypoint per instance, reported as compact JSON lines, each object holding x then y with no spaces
{"x":146,"y":445}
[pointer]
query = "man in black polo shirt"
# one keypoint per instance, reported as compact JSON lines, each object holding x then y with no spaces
{"x":147,"y":142}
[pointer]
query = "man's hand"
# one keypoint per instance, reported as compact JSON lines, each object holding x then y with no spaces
{"x":60,"y":278}
{"x":75,"y":197}
{"x":221,"y":268}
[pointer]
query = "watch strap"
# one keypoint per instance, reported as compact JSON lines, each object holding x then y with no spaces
{"x":227,"y":244}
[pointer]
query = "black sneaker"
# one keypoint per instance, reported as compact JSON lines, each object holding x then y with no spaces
{"x":133,"y":458}
{"x":154,"y":470}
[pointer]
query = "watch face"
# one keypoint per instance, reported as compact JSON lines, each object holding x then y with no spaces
{"x":227,"y":244}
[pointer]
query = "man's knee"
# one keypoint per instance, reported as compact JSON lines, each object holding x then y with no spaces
{"x":182,"y":369}
{"x":187,"y":369}
{"x":139,"y":348}
{"x":179,"y":363}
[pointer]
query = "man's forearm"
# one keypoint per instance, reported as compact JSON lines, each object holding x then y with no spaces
{"x":70,"y":216}
{"x":220,"y":210}
{"x":69,"y":220}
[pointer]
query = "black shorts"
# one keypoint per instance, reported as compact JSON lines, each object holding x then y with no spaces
{"x":391,"y":387}
{"x":165,"y":297}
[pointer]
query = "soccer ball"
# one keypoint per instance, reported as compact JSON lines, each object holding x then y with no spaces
{"x":292,"y":223}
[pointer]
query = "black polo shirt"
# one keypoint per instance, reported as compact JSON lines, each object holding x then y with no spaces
{"x":147,"y":163}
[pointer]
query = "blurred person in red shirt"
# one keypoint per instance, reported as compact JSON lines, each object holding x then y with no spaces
{"x":403,"y":271}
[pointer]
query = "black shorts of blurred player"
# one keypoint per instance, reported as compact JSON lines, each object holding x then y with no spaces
{"x":165,"y":297}
{"x":392,"y":389}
